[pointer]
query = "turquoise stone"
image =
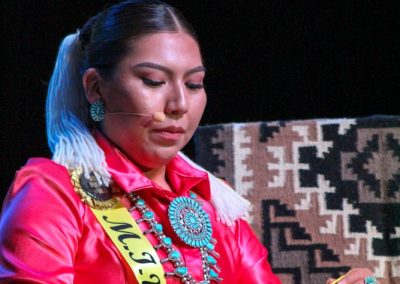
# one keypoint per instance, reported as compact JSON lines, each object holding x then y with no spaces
{"x":140,"y":202}
{"x":158,"y":228}
{"x":211,"y":260}
{"x":148,"y":215}
{"x":181,"y":271}
{"x":370,"y":280}
{"x":210,"y":246}
{"x":192,"y":221}
{"x":193,"y":195}
{"x":167,"y":241}
{"x":213,"y":274}
{"x":174,"y":255}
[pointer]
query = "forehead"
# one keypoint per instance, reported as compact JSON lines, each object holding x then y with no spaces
{"x":168,"y":48}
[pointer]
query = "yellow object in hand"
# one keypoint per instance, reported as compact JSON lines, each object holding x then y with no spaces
{"x":337,"y":280}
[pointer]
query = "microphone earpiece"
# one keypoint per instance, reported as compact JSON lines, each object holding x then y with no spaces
{"x":158,"y":116}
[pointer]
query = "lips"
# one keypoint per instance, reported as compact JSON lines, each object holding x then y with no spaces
{"x":170,"y":129}
{"x":168,"y":134}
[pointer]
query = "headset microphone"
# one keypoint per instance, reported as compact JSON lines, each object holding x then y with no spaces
{"x":158,"y":116}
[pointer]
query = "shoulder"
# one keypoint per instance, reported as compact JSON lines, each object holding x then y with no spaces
{"x":40,"y":196}
{"x":41,"y":180}
{"x":42,"y":167}
{"x":42,"y":220}
{"x":38,"y":170}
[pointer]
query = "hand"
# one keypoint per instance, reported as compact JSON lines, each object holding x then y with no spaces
{"x":354,"y":276}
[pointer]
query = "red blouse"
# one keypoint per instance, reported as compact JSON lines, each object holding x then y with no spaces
{"x":49,"y":236}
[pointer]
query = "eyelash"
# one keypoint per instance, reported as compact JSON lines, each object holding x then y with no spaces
{"x":193,"y":86}
{"x":152,"y":83}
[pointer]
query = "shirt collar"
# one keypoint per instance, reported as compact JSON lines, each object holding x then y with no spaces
{"x":182,"y":176}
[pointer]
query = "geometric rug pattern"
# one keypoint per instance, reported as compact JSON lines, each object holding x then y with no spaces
{"x":325,"y":193}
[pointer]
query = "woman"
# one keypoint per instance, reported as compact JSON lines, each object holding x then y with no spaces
{"x":119,"y":203}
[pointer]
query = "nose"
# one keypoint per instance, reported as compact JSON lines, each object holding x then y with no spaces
{"x":177,"y":104}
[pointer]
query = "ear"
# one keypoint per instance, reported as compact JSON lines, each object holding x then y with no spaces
{"x":91,"y":81}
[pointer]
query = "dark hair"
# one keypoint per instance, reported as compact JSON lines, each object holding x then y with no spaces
{"x":108,"y":36}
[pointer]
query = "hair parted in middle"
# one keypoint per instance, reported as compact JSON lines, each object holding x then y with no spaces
{"x":108,"y":36}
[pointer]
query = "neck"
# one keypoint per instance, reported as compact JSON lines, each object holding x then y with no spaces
{"x":158,"y":176}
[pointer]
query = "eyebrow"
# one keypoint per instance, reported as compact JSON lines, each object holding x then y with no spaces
{"x":166,"y":69}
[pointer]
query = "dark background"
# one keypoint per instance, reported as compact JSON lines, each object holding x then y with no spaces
{"x":266,"y":60}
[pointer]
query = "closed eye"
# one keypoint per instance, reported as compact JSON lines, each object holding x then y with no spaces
{"x":194,"y":86}
{"x":152,"y":83}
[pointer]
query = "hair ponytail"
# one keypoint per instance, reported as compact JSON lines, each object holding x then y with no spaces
{"x":67,"y":121}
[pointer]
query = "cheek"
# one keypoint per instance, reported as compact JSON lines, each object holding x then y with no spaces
{"x":123,"y":97}
{"x":198,"y":109}
{"x":201,"y":104}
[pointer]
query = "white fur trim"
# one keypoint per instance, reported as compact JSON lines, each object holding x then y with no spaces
{"x":229,"y":205}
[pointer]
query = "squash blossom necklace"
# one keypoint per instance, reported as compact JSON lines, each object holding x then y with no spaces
{"x":192,"y":225}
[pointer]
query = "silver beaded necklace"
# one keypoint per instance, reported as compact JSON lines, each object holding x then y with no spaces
{"x":192,"y":225}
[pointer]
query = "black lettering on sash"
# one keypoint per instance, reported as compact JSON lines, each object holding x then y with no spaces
{"x":151,"y":277}
{"x":120,"y":227}
{"x":143,"y":260}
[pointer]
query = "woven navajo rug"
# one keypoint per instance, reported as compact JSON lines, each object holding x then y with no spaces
{"x":325,"y":194}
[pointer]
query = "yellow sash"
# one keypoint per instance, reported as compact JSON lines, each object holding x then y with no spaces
{"x":121,"y":228}
{"x":132,"y":244}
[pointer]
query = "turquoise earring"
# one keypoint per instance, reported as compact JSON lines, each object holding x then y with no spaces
{"x":97,"y":111}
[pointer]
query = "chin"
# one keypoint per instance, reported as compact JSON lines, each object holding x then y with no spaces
{"x":160,"y":157}
{"x":157,"y":155}
{"x":168,"y":154}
